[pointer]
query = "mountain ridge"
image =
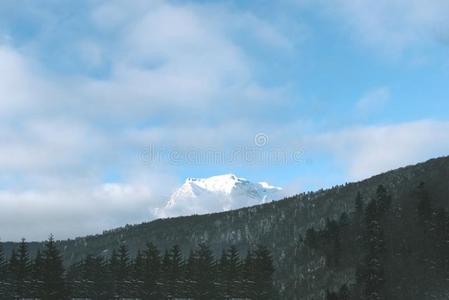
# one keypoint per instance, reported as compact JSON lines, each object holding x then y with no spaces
{"x":279,"y":225}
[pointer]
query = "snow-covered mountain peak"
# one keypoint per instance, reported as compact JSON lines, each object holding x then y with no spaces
{"x":218,"y":193}
{"x":222,"y":183}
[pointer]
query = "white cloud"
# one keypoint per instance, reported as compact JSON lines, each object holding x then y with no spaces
{"x":367,"y":151}
{"x":42,"y":145}
{"x":15,"y":82}
{"x":71,"y":210}
{"x":190,"y":64}
{"x":62,"y":133}
{"x":391,"y":26}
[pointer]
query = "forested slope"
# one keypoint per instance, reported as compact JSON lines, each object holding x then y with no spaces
{"x":281,"y":226}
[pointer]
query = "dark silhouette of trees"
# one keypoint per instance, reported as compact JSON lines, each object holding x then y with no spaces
{"x":231,"y":276}
{"x":151,"y":272}
{"x":147,"y":276}
{"x":52,"y":273}
{"x":4,"y":286}
{"x":263,"y":273}
{"x":399,"y":252}
{"x":20,"y":271}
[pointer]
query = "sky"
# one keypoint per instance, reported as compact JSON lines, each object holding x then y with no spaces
{"x":107,"y":106}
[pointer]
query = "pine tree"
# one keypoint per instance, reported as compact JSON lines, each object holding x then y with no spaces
{"x":3,"y":264}
{"x":138,"y":275}
{"x":175,"y":272}
{"x":94,"y":277}
{"x":53,"y":281}
{"x":89,"y":277}
{"x":358,"y":232}
{"x":4,"y":286}
{"x":113,"y":273}
{"x":222,"y":276}
{"x":75,"y":278}
{"x":425,"y":240}
{"x":191,"y":275}
{"x":37,"y":273}
{"x":20,"y":267}
{"x":232,"y":273}
{"x":206,"y":266}
{"x":332,"y":243}
{"x":13,"y":267}
{"x":375,"y":243}
{"x":263,"y":273}
{"x":165,"y":275}
{"x":121,"y":272}
{"x":249,"y":274}
{"x":151,"y":272}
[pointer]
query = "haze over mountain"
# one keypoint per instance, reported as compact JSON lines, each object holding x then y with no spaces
{"x":216,"y":194}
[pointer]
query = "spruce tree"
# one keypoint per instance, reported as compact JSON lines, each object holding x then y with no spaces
{"x":175,"y":272}
{"x":89,"y":277}
{"x":166,"y":275}
{"x":3,"y":264}
{"x":138,"y":275}
{"x":222,"y":276}
{"x":263,"y":273}
{"x":20,"y":270}
{"x":358,"y":231}
{"x":13,"y":267}
{"x":75,"y":280}
{"x":121,"y":272}
{"x":233,"y":273}
{"x":374,"y":280}
{"x":248,"y":275}
{"x":53,"y":280}
{"x":37,"y":273}
{"x":206,"y":266}
{"x":113,"y":273}
{"x":94,"y":279}
{"x":152,"y":272}
{"x":190,"y":275}
{"x":4,"y":286}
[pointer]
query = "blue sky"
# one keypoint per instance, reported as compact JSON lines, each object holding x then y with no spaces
{"x":87,"y":87}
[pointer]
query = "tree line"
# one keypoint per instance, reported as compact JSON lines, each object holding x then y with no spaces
{"x":149,"y":275}
{"x":399,"y":250}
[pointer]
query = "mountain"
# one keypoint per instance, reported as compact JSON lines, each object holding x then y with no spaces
{"x":216,"y":194}
{"x":280,"y":225}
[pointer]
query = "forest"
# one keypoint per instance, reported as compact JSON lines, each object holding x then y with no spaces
{"x":149,"y":275}
{"x":384,"y":238}
{"x":398,"y":251}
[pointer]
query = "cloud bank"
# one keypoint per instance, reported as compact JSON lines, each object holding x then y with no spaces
{"x":85,"y":87}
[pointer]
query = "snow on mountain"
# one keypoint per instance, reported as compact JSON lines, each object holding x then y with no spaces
{"x":217,"y":193}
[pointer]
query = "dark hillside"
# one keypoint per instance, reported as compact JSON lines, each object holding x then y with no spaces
{"x":280,"y":226}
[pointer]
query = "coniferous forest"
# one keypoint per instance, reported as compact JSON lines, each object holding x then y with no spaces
{"x":149,"y":275}
{"x":388,"y":240}
{"x":398,"y":251}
